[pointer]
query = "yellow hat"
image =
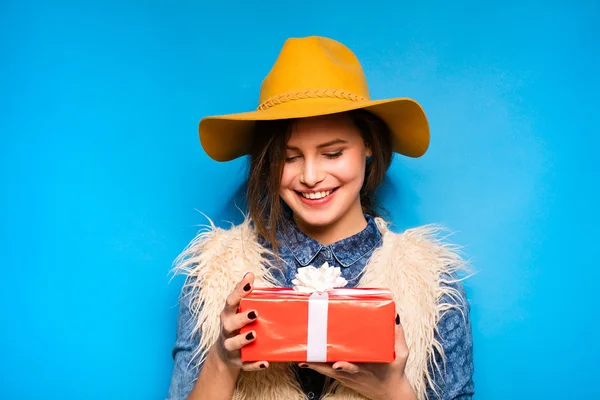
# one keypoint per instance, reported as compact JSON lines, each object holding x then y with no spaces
{"x":314,"y":76}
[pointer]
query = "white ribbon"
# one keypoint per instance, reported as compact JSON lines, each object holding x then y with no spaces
{"x":317,"y":281}
{"x":318,"y":307}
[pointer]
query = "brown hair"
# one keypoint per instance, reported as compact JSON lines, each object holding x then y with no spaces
{"x":267,"y":159}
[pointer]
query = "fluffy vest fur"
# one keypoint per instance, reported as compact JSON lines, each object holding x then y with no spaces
{"x":414,"y":265}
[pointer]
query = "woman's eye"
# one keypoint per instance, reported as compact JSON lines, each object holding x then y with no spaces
{"x":290,"y":159}
{"x":333,"y":155}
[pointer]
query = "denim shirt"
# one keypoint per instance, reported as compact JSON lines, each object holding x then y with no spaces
{"x":351,"y":255}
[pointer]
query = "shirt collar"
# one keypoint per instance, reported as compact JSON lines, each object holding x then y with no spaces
{"x":346,"y":251}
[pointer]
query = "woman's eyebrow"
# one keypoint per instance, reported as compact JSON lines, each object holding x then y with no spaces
{"x":322,"y":145}
{"x":332,"y":142}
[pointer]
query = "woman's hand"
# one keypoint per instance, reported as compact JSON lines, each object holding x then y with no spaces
{"x":373,"y":380}
{"x":230,"y":341}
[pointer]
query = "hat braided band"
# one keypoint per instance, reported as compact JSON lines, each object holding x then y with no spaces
{"x":310,"y":94}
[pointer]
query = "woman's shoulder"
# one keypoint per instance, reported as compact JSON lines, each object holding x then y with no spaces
{"x":430,"y":239}
{"x":428,"y":249}
{"x":214,"y":245}
{"x":213,"y":235}
{"x":425,"y":233}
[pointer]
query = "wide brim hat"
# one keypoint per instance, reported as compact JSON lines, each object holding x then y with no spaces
{"x":314,"y":76}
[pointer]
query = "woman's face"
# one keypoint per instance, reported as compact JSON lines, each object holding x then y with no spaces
{"x":324,"y":171}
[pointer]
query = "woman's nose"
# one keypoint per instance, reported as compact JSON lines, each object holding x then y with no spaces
{"x":311,"y":174}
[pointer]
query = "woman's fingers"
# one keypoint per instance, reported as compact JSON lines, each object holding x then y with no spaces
{"x":242,"y":289}
{"x":324,"y":369}
{"x":343,"y":366}
{"x":233,"y":323}
{"x":230,"y":340}
{"x":237,"y":342}
{"x":255,"y":366}
{"x":401,"y":346}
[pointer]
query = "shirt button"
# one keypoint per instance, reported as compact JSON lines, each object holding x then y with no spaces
{"x":311,"y":395}
{"x":326,"y":253}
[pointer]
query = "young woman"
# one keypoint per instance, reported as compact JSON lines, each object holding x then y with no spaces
{"x":318,"y":149}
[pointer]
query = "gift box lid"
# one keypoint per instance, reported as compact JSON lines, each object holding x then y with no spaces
{"x":337,"y":294}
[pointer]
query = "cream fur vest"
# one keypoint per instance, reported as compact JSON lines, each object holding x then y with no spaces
{"x":413,"y":264}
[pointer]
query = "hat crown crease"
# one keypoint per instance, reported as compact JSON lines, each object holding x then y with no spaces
{"x":311,"y":68}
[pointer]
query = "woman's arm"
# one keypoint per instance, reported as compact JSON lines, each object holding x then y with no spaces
{"x":184,"y":373}
{"x":454,"y":379}
{"x":216,"y":377}
{"x":216,"y":380}
{"x":223,"y":364}
{"x":210,"y":379}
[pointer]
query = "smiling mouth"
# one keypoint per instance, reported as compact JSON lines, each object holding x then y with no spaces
{"x":317,"y":195}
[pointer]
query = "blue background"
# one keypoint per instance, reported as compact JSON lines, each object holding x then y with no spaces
{"x":102,"y":174}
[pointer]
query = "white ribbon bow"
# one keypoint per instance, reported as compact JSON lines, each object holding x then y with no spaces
{"x":311,"y":279}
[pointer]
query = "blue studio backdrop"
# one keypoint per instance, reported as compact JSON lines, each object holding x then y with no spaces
{"x":102,"y":174}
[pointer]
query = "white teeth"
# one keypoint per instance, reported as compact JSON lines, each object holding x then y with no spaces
{"x":317,"y":195}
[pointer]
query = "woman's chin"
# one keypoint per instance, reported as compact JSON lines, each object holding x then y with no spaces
{"x":313,"y":219}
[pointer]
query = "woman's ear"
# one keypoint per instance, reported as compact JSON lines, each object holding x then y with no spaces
{"x":368,"y":152}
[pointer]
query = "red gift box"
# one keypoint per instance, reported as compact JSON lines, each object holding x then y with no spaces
{"x":353,"y":325}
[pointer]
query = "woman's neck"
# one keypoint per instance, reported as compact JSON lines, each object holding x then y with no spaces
{"x":351,"y":223}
